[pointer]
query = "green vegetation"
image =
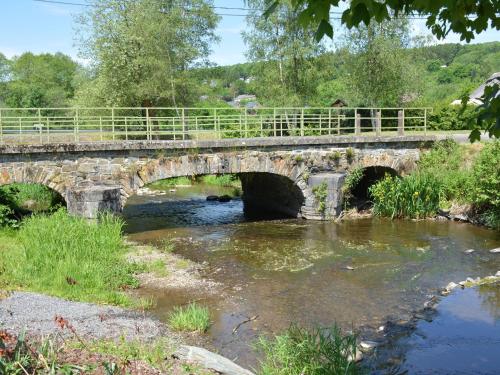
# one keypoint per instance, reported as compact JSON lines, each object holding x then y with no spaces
{"x":154,"y":353}
{"x":314,"y":352}
{"x":350,"y":183}
{"x":170,"y":182}
{"x":321,"y":193}
{"x":415,"y":196}
{"x":485,"y":186}
{"x":350,"y":154}
{"x":227,"y":180}
{"x":68,"y":257}
{"x":24,"y":198}
{"x":447,"y":174}
{"x":17,"y":356}
{"x":191,"y":318}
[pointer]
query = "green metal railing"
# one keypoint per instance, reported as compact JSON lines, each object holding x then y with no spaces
{"x":51,"y":125}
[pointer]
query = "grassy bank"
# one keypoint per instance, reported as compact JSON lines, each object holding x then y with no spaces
{"x":223,"y":180}
{"x":68,"y":257}
{"x":449,"y":175}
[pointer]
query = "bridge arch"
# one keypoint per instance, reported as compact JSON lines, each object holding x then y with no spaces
{"x":371,"y":175}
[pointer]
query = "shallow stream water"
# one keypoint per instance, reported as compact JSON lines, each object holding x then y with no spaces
{"x":357,"y":273}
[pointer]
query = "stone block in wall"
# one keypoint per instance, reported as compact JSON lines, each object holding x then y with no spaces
{"x":88,"y":202}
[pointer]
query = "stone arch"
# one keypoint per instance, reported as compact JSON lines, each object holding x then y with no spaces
{"x":371,"y":175}
{"x":269,"y":184}
{"x":29,"y":174}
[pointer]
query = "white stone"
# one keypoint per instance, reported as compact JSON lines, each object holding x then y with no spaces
{"x":451,"y":286}
{"x":469,"y":251}
{"x":368,"y":345}
{"x":495,"y":251}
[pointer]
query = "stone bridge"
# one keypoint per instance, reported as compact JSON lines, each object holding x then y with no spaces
{"x":277,"y":174}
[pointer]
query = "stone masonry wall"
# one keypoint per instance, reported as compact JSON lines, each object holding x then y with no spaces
{"x":128,"y":168}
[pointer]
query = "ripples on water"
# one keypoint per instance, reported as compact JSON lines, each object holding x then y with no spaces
{"x":296,"y":271}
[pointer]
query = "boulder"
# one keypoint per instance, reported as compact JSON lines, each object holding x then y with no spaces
{"x":209,"y":360}
{"x":224,"y":198}
{"x":212,"y":198}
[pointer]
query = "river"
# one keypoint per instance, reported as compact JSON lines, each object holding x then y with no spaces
{"x":359,"y":273}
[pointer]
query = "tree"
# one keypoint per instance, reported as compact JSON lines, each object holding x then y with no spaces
{"x":44,"y":80}
{"x":141,"y":50}
{"x":379,"y":65}
{"x":284,"y":54}
{"x":466,"y":18}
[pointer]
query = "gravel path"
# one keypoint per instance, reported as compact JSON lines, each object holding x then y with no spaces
{"x":36,"y":313}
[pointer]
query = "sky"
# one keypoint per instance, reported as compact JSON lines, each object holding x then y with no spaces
{"x":27,"y":25}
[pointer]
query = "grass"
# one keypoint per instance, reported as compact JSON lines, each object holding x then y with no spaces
{"x":227,"y":180}
{"x":192,"y":318}
{"x":170,"y":182}
{"x":68,"y":257}
{"x":321,"y":193}
{"x":313,"y":352}
{"x":31,"y":197}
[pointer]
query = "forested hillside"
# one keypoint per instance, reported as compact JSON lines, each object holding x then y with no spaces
{"x":442,"y":74}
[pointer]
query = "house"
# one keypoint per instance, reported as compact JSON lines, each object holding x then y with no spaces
{"x":475,"y":96}
{"x":339,"y":103}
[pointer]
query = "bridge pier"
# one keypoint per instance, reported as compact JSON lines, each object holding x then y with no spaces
{"x":324,"y":198}
{"x":90,"y":201}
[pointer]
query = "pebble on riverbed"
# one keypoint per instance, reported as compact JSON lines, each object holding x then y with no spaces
{"x":469,"y":251}
{"x":495,"y":251}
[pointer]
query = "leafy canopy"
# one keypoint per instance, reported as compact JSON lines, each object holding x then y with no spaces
{"x":466,"y":18}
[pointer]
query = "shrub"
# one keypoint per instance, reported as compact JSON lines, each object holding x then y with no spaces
{"x":486,"y":176}
{"x":415,"y":196}
{"x":451,"y":118}
{"x":445,"y":161}
{"x":350,"y":183}
{"x":313,"y":352}
{"x":31,"y":197}
{"x":191,"y":318}
{"x":321,"y":193}
{"x":7,"y":218}
{"x":350,"y":154}
{"x":70,"y":257}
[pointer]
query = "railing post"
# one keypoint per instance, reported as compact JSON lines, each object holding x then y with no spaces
{"x":274,"y":121}
{"x":100,"y":127}
{"x":302,"y":122}
{"x":113,"y":123}
{"x":48,"y":130}
{"x":215,"y":123}
{"x":401,"y":122}
{"x":148,"y":126}
{"x":20,"y":130}
{"x":378,"y":122}
{"x":357,"y":122}
{"x":76,"y":126}
{"x":40,"y":130}
{"x":183,"y":124}
{"x":126,"y":129}
{"x":1,"y":127}
{"x":425,"y":121}
{"x":329,"y":121}
{"x":246,"y":124}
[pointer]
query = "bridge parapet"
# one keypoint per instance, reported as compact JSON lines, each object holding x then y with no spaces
{"x":88,"y":175}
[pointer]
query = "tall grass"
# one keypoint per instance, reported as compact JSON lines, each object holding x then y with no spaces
{"x":415,"y":196}
{"x":70,"y":257}
{"x":313,"y":352}
{"x":191,"y":318}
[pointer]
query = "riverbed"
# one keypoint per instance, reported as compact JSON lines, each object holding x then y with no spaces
{"x":358,"y":273}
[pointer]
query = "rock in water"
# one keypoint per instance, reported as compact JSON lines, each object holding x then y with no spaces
{"x":224,"y":198}
{"x":212,"y":198}
{"x":210,"y":360}
{"x":469,"y":251}
{"x":495,"y":251}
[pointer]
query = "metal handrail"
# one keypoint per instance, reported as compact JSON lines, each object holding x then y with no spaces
{"x":93,"y":124}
